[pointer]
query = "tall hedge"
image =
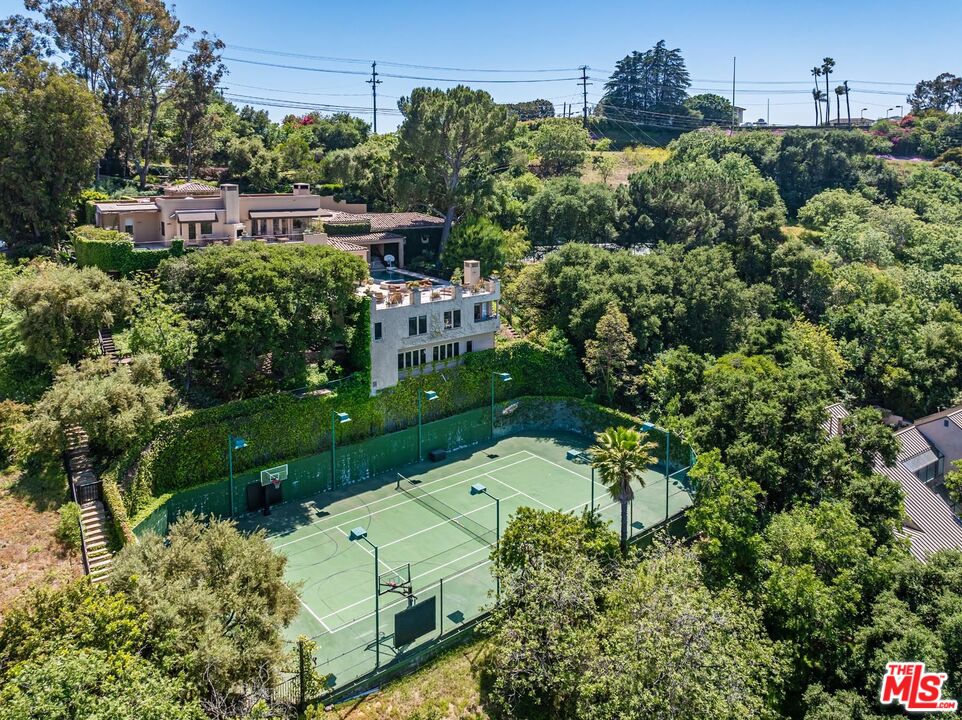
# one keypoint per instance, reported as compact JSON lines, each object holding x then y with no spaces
{"x":190,"y":449}
{"x":113,"y":251}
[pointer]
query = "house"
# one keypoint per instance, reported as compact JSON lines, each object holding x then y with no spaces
{"x":202,"y":215}
{"x":421,"y":325}
{"x":929,"y":523}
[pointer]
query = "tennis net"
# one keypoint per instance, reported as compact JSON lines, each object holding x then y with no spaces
{"x":473,"y":528}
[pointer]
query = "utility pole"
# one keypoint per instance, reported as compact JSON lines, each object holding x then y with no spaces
{"x":374,"y":82}
{"x":584,"y":92}
{"x":733,"y":95}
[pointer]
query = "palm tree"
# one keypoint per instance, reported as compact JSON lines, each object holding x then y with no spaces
{"x":848,"y":108}
{"x":817,"y":97}
{"x":839,"y":91}
{"x":827,"y":65}
{"x":816,"y":73}
{"x":621,"y":455}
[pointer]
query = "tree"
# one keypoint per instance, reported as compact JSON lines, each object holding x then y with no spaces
{"x":216,"y":599}
{"x":368,"y":171}
{"x":252,"y":301}
{"x":159,"y":328}
{"x":953,"y":482}
{"x":828,"y":64}
{"x":532,"y":109}
{"x":256,"y":168}
{"x":52,"y":132}
{"x":115,"y":406}
{"x":21,"y":37}
{"x":656,"y":80}
{"x":194,"y":85}
{"x":621,"y":456}
{"x":608,"y":357}
{"x":121,"y":51}
{"x":445,"y":147}
{"x":817,"y":94}
{"x":713,"y":108}
{"x":839,"y":91}
{"x":554,"y":537}
{"x":62,"y":308}
{"x":604,"y":165}
{"x":567,"y":210}
{"x":480,"y":239}
{"x":939,"y":94}
{"x":561,"y":145}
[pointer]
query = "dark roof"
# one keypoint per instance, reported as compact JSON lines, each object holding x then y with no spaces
{"x":385,"y":222}
{"x":339,"y":244}
{"x":191,"y":188}
{"x":368,"y":238}
{"x":953,"y":413}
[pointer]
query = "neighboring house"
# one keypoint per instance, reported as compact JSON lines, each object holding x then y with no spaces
{"x":420,"y":329}
{"x":930,"y":525}
{"x":203,"y":215}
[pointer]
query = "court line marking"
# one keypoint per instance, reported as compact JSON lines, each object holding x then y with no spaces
{"x":389,"y":497}
{"x":446,"y":522}
{"x":313,"y":614}
{"x":434,"y":569}
{"x":364,"y":547}
{"x":366,"y":515}
{"x":518,"y":492}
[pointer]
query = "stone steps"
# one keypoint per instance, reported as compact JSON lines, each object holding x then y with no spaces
{"x":93,"y":522}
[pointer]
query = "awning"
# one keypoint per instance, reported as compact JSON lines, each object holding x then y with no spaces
{"x":285,"y":213}
{"x":195,"y":215}
{"x":914,"y":464}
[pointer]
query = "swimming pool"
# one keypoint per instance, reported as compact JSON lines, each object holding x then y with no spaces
{"x":402,"y":276}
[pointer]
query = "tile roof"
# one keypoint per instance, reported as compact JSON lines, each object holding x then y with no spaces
{"x":369,"y":238}
{"x":930,"y":524}
{"x":191,"y":188}
{"x":345,"y":246}
{"x":384,"y":222}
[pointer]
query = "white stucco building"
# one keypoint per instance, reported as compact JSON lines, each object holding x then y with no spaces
{"x":420,"y":325}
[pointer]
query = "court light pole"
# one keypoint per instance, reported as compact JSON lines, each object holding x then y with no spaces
{"x":337,"y":418}
{"x":360,"y":533}
{"x":861,"y":115}
{"x":647,"y":426}
{"x":233,"y":443}
{"x":503,"y":377}
{"x":431,"y":396}
{"x":479,"y":489}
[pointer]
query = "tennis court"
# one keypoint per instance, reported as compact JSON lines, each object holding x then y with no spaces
{"x":430,"y":530}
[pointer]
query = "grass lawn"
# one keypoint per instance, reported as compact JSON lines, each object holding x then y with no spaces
{"x":29,"y":553}
{"x":446,"y":689}
{"x":626,"y":162}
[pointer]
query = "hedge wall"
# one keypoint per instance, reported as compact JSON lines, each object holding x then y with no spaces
{"x":113,"y":251}
{"x":190,"y":449}
{"x":359,"y":227}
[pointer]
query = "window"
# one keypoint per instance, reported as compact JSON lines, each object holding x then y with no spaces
{"x":446,"y":351}
{"x":417,"y":325}
{"x":400,"y":361}
{"x":377,"y":331}
{"x":452,"y":319}
{"x":129,"y":227}
{"x":163,"y":229}
{"x":206,"y":228}
{"x":191,"y":231}
{"x":412,"y":358}
{"x":479,"y":313}
{"x":437,"y":351}
{"x":469,"y":346}
{"x":422,"y":325}
{"x":412,"y":326}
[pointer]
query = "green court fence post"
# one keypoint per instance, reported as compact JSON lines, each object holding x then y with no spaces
{"x":230,"y":471}
{"x":492,"y":405}
{"x":667,"y":468}
{"x":497,"y":548}
{"x":420,"y":453}
{"x":377,"y":613}
{"x":441,"y":607}
{"x":333,"y":452}
{"x":592,"y":489}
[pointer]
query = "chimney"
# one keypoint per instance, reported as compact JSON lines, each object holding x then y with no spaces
{"x":472,"y":272}
{"x":229,"y":194}
{"x":302,"y":188}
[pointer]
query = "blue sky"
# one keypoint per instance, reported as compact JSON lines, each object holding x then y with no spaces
{"x":775,"y":42}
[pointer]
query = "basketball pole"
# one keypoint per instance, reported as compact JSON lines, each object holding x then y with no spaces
{"x":377,"y":612}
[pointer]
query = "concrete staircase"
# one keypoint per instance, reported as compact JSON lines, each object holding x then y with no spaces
{"x":93,"y":522}
{"x":107,"y":346}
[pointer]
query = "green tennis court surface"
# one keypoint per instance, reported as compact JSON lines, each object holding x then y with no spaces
{"x":428,"y":519}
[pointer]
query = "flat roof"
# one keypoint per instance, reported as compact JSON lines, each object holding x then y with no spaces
{"x":124,"y":207}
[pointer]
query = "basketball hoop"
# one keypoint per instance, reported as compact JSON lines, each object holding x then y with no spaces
{"x":276,"y":481}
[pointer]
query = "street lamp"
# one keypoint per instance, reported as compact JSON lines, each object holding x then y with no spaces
{"x":888,"y":113}
{"x":647,"y":426}
{"x":233,"y":443}
{"x":862,"y":114}
{"x":503,"y":377}
{"x":430,"y":396}
{"x":900,"y":111}
{"x":337,"y":418}
{"x":360,"y":533}
{"x":479,"y":489}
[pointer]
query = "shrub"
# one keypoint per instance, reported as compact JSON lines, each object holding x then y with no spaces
{"x":113,"y":251}
{"x":359,"y":227}
{"x":68,"y":527}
